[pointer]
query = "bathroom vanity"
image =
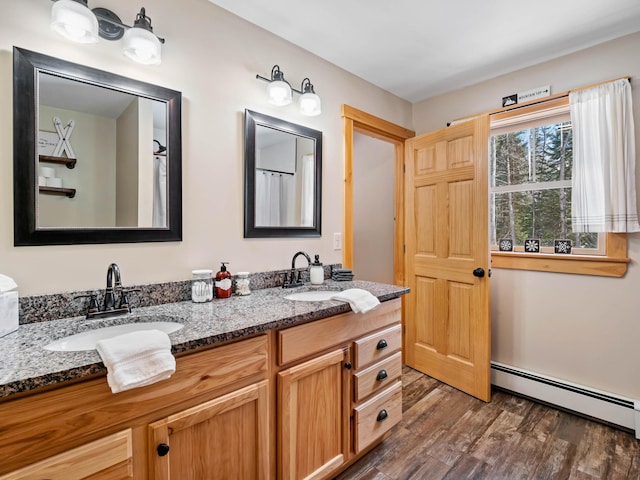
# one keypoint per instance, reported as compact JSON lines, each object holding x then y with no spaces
{"x":286,"y":390}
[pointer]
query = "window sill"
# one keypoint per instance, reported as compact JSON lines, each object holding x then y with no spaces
{"x":579,"y":264}
{"x":612,"y":264}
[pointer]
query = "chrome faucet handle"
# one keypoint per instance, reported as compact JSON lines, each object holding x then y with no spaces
{"x":124,"y":297}
{"x":93,"y":302}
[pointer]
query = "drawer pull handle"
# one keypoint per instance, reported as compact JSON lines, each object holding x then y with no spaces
{"x":382,"y":375}
{"x":382,"y":416}
{"x":382,"y":344}
{"x":163,"y":449}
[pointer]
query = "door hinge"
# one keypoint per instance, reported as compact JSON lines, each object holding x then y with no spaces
{"x":404,"y":168}
{"x":404,"y":248}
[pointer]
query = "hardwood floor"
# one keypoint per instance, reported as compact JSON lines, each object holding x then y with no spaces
{"x":448,"y":435}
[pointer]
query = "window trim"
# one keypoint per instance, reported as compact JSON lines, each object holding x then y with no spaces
{"x":612,"y":264}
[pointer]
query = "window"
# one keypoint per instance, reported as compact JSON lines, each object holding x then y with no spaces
{"x":530,"y":162}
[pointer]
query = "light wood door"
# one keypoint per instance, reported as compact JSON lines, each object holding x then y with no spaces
{"x":447,"y":311}
{"x":224,"y":438}
{"x":313,"y":415}
{"x":108,"y":458}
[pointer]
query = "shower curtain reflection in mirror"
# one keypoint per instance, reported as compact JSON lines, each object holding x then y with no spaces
{"x":285,"y":199}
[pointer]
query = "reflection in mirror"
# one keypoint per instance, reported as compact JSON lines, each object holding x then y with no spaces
{"x":282,"y":178}
{"x":120,"y":175}
{"x":120,"y":140}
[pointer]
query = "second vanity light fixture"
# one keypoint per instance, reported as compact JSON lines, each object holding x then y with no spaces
{"x":74,"y":20}
{"x":280,"y":93}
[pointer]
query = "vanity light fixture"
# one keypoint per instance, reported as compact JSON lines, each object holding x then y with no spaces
{"x":280,"y":93}
{"x":73,"y":20}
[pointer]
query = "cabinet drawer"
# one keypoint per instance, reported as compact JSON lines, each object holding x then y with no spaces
{"x":108,"y":457}
{"x":375,"y":417}
{"x":296,"y":343}
{"x":377,"y":346}
{"x":378,"y":376}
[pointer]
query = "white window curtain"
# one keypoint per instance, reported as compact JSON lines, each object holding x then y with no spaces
{"x":603,"y":185}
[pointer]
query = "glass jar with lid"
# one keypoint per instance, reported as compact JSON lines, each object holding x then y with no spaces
{"x":201,"y":286}
{"x":242,"y":283}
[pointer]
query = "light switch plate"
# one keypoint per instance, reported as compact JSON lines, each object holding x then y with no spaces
{"x":337,"y":241}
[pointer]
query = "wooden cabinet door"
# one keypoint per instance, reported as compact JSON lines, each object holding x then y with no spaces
{"x":223,"y":438}
{"x":447,"y":256}
{"x":108,"y":458}
{"x":313,"y":417}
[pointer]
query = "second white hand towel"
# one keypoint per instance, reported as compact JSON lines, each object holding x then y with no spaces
{"x":137,"y":359}
{"x":360,"y":300}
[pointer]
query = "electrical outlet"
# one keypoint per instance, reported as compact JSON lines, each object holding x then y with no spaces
{"x":337,"y":241}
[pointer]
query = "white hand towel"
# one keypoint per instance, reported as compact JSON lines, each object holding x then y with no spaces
{"x":7,"y":283}
{"x":360,"y":300}
{"x":137,"y":359}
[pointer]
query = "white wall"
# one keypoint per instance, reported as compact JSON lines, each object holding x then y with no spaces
{"x":212,"y":57}
{"x":579,"y":328}
{"x":373,"y":208}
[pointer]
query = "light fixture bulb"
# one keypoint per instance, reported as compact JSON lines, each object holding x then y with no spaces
{"x":279,"y":93}
{"x":310,"y":104}
{"x":139,"y":42}
{"x":74,"y":21}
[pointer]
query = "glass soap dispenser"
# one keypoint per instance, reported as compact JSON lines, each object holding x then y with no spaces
{"x":223,"y":282}
{"x":316,"y":272}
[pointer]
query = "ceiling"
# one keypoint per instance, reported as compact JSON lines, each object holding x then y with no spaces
{"x":417,"y":49}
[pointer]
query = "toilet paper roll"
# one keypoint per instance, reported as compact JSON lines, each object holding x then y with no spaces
{"x":54,"y":182}
{"x":48,"y":172}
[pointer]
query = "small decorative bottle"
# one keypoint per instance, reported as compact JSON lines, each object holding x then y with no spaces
{"x":242,"y":283}
{"x":316,"y":272}
{"x":201,"y":286}
{"x":223,"y":282}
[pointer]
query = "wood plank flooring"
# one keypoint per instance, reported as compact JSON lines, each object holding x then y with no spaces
{"x":448,"y":435}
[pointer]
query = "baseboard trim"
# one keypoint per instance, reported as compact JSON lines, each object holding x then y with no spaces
{"x":607,"y":407}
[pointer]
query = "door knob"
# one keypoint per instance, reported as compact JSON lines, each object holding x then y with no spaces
{"x":478,"y":272}
{"x":162,"y":449}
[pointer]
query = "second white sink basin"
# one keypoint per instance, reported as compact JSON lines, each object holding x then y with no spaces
{"x":87,"y":340}
{"x":312,"y":295}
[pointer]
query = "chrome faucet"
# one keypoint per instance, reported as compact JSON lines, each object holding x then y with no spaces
{"x":114,"y":284}
{"x":293,"y":280}
{"x":109,"y":296}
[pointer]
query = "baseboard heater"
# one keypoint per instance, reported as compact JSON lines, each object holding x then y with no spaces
{"x":607,"y":407}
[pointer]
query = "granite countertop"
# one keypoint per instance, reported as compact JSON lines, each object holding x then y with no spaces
{"x":25,"y":365}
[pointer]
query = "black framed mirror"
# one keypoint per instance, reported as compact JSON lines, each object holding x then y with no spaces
{"x":97,"y":156}
{"x":282,"y":178}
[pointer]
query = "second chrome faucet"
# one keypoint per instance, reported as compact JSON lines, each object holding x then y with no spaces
{"x":292,"y":279}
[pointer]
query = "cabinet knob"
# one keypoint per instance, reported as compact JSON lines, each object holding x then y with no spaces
{"x":382,"y":344}
{"x":163,"y":449}
{"x":382,"y":375}
{"x":382,"y":416}
{"x":347,"y":365}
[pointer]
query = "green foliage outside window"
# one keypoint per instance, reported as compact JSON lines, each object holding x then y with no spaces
{"x":530,"y":178}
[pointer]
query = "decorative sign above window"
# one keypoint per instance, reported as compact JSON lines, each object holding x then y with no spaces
{"x":527,"y":96}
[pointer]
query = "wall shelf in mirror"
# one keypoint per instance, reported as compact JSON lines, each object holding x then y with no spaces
{"x":67,"y":192}
{"x":68,"y":162}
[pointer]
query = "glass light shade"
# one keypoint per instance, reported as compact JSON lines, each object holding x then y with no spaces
{"x":310,"y":104}
{"x":74,"y":21}
{"x":279,"y":93}
{"x":142,"y":46}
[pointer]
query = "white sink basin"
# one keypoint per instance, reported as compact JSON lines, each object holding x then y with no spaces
{"x":311,"y":296}
{"x":87,"y":340}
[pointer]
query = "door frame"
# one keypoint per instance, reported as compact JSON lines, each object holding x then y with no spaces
{"x":355,"y":120}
